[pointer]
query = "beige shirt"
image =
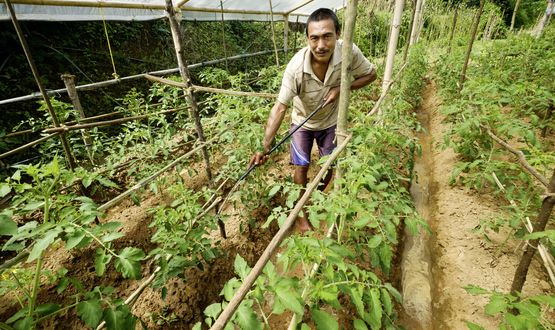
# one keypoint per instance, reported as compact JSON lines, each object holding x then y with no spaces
{"x":307,"y":91}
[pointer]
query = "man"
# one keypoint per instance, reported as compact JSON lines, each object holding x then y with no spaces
{"x":313,"y":77}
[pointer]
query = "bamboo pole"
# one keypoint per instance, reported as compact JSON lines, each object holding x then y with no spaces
{"x":384,"y":94}
{"x":151,"y":178}
{"x":110,"y":122}
{"x":452,"y":33}
{"x":209,"y":89}
{"x":416,"y":22}
{"x":521,"y":158}
{"x":286,"y":35}
{"x":409,"y":32}
{"x":27,"y":146}
{"x":345,"y":87}
{"x":240,"y":294}
{"x":541,"y":222}
{"x":297,"y":7}
{"x":110,"y":82}
{"x":65,"y":144}
{"x":223,"y":34}
{"x":273,"y":32}
{"x":470,"y":43}
{"x":177,"y":38}
{"x":89,"y":4}
{"x":69,"y":82}
{"x":392,"y":47}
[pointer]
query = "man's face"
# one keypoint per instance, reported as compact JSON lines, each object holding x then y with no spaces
{"x":321,"y":40}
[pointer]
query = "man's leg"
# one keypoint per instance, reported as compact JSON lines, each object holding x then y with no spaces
{"x":301,"y":146}
{"x":326,"y":144}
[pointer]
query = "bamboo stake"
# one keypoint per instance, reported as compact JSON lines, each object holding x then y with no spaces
{"x":146,"y":181}
{"x":470,"y":43}
{"x":69,"y":82}
{"x":65,"y":145}
{"x":273,"y":32}
{"x":384,"y":94}
{"x":415,"y":22}
{"x":409,"y":32}
{"x":548,"y":264}
{"x":543,"y":217}
{"x":286,"y":35}
{"x":223,"y":34}
{"x":110,"y":82}
{"x":452,"y":33}
{"x":209,"y":89}
{"x":177,"y":38}
{"x":110,"y":122}
{"x":27,"y":146}
{"x":230,"y":309}
{"x":345,"y":87}
{"x":392,"y":47}
{"x":521,"y":158}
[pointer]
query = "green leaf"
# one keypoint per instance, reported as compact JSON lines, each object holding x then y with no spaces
{"x":7,"y":226}
{"x":473,"y":326}
{"x":198,"y":326}
{"x":496,"y":305}
{"x":241,"y":267}
{"x":374,"y":241}
{"x":43,"y":243}
{"x":128,"y":262}
{"x":324,"y":321}
{"x":394,"y":293}
{"x":213,"y":310}
{"x":4,"y":189}
{"x":90,"y":311}
{"x":111,"y":236}
{"x":48,"y":308}
{"x":473,"y":289}
{"x":119,"y":319}
{"x":359,"y":324}
{"x":33,"y":205}
{"x":24,"y":324}
{"x":541,"y":234}
{"x":87,"y":181}
{"x":375,"y":305}
{"x":74,"y":239}
{"x":17,"y":315}
{"x":386,"y":300}
{"x":247,"y":319}
{"x":272,"y":192}
{"x":356,"y":297}
{"x":289,"y":300}
{"x":101,"y":260}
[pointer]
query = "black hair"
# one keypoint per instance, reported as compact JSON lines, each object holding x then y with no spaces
{"x":323,"y":14}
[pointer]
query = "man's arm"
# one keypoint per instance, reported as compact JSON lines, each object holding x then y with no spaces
{"x":272,"y":126}
{"x":358,"y":83}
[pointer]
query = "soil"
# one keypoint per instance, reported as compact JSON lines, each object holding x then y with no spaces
{"x":457,"y":256}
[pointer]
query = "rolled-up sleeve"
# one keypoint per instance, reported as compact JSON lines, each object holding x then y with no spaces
{"x":361,"y":65}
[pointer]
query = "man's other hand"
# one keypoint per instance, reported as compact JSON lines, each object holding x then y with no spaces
{"x":258,"y":159}
{"x":331,"y":96}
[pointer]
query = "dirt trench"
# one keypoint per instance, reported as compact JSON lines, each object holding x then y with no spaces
{"x":436,"y":267}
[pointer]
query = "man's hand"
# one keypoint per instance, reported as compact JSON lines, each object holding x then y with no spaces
{"x":331,"y":96}
{"x":258,"y":159}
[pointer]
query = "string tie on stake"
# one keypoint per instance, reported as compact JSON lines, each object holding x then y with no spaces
{"x":114,"y":74}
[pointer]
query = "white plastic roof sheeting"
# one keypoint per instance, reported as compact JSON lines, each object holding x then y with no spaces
{"x":140,"y":10}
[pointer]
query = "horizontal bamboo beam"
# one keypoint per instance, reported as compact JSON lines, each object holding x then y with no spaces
{"x":299,"y":6}
{"x":227,"y":313}
{"x":209,"y":89}
{"x":89,"y":3}
{"x":28,"y":145}
{"x":229,"y":11}
{"x":151,"y":178}
{"x":105,"y":83}
{"x":110,"y":122}
{"x":521,"y":158}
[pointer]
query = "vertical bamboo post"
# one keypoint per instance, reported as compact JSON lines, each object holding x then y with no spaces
{"x":409,"y":32}
{"x":392,"y":47}
{"x":475,"y":25}
{"x":69,"y":82}
{"x":345,"y":87}
{"x":416,"y":22}
{"x":296,"y":30}
{"x":513,"y":17}
{"x":65,"y":144}
{"x":541,"y":222}
{"x":223,"y":33}
{"x":184,"y":72}
{"x":286,"y":34}
{"x":452,"y":33}
{"x":273,"y":32}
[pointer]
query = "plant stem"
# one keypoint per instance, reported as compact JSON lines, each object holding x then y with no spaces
{"x":95,"y":238}
{"x":56,"y":312}
{"x":36,"y":284}
{"x":25,"y":291}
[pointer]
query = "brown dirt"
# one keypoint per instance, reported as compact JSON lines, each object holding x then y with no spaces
{"x":460,"y":256}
